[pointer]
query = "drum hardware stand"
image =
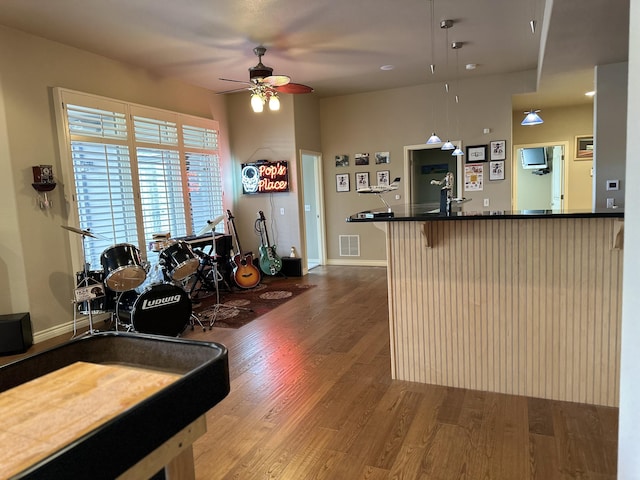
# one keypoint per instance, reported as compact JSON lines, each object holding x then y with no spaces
{"x":84,"y":283}
{"x":211,"y":280}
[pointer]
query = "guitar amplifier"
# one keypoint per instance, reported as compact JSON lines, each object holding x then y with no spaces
{"x":15,"y":333}
{"x":291,"y":266}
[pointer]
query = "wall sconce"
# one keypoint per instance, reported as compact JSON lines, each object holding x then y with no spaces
{"x":43,"y":183}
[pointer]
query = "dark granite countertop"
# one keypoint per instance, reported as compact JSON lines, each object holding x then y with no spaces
{"x":430,"y":212}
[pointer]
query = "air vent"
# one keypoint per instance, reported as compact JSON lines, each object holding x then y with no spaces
{"x":349,"y":245}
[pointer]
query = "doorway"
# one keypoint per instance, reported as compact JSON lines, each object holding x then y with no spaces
{"x":423,"y":163}
{"x":539,"y":187}
{"x":313,"y":208}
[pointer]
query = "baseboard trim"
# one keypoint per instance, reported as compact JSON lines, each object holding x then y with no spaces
{"x":358,"y":263}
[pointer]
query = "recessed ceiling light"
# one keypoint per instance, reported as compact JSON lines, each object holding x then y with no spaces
{"x":387,"y":67}
{"x":470,"y":66}
{"x":590,"y":94}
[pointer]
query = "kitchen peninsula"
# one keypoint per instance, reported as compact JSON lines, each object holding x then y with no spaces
{"x":523,"y":302}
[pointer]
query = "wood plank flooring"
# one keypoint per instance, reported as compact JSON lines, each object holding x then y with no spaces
{"x":312,"y":398}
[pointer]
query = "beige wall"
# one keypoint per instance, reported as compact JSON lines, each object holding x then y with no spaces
{"x":271,"y":136}
{"x":36,"y":274}
{"x":388,"y":121}
{"x":563,"y":125}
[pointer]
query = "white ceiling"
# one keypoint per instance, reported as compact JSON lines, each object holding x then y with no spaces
{"x":337,"y":47}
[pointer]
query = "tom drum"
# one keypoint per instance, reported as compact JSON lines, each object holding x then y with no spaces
{"x":123,"y":269}
{"x":179,"y":260}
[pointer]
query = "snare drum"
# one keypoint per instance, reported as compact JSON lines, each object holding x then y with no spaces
{"x":123,"y":269}
{"x":103,"y":304}
{"x":179,"y":260}
{"x":161,"y":309}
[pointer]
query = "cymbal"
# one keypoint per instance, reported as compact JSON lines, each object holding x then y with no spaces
{"x":211,"y":224}
{"x":84,"y":233}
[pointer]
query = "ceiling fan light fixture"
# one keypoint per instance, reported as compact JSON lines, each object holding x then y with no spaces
{"x":274,"y":102}
{"x":257,"y":103}
{"x":532,"y":118}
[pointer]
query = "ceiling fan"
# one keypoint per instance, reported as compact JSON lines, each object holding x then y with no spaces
{"x":265,"y":86}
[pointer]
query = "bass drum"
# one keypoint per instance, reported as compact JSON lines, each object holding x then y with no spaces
{"x":179,"y":260}
{"x":161,"y":309}
{"x":123,"y":269}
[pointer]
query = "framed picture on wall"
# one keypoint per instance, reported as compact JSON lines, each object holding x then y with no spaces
{"x":362,"y":180}
{"x":496,"y":170}
{"x":383,"y":178}
{"x":477,"y":154}
{"x":342,"y":182}
{"x":342,"y":160}
{"x":498,"y":150}
{"x":584,"y":147}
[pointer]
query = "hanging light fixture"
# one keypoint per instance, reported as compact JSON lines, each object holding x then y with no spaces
{"x":532,"y":118}
{"x":447,"y":24}
{"x":457,"y":46}
{"x":433,"y":139}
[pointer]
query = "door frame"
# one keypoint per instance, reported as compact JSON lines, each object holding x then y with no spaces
{"x":514,"y":172}
{"x":320,"y":221}
{"x":408,"y":170}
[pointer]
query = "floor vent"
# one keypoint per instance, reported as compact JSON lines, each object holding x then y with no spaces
{"x":349,"y":245}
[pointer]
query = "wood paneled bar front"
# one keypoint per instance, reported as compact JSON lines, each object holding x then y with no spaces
{"x":524,"y":303}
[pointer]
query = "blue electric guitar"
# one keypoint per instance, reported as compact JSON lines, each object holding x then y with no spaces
{"x":270,"y":262}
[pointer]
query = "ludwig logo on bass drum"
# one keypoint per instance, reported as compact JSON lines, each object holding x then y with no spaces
{"x":160,"y":302}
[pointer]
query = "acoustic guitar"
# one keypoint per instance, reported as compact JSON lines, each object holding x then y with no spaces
{"x":245,"y":273}
{"x":270,"y":262}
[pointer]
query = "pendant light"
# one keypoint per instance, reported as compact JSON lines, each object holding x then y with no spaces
{"x":433,"y":139}
{"x":447,"y":24}
{"x":532,"y":118}
{"x":457,"y":46}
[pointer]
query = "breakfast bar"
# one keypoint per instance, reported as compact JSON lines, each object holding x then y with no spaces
{"x":518,"y":302}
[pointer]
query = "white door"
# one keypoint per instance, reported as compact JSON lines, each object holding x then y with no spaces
{"x":557,"y":183}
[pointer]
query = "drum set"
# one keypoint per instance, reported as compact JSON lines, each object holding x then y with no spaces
{"x":139,"y":298}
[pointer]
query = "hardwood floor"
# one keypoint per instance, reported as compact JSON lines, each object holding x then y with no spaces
{"x":311,"y":398}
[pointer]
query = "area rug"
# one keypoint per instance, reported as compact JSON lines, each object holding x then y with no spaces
{"x":239,"y":307}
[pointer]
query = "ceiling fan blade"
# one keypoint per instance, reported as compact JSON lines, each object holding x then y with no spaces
{"x":276,"y":80}
{"x":234,"y":90}
{"x":293,"y":88}
{"x":236,"y":81}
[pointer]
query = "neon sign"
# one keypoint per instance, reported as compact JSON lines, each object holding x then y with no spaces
{"x":264,"y":176}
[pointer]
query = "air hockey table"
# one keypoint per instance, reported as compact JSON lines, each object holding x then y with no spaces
{"x":109,"y":405}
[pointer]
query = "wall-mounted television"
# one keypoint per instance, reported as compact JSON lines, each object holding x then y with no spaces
{"x":264,"y":176}
{"x":534,"y":158}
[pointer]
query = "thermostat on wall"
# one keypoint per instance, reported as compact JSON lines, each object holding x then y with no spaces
{"x":613,"y":184}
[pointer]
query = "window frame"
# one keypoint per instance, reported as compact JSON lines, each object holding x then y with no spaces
{"x":64,"y":96}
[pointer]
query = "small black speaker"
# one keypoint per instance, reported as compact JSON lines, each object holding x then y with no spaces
{"x":292,"y":266}
{"x":15,"y":333}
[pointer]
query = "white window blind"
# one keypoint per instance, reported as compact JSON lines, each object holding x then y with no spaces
{"x":138,"y":171}
{"x":204,"y":180}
